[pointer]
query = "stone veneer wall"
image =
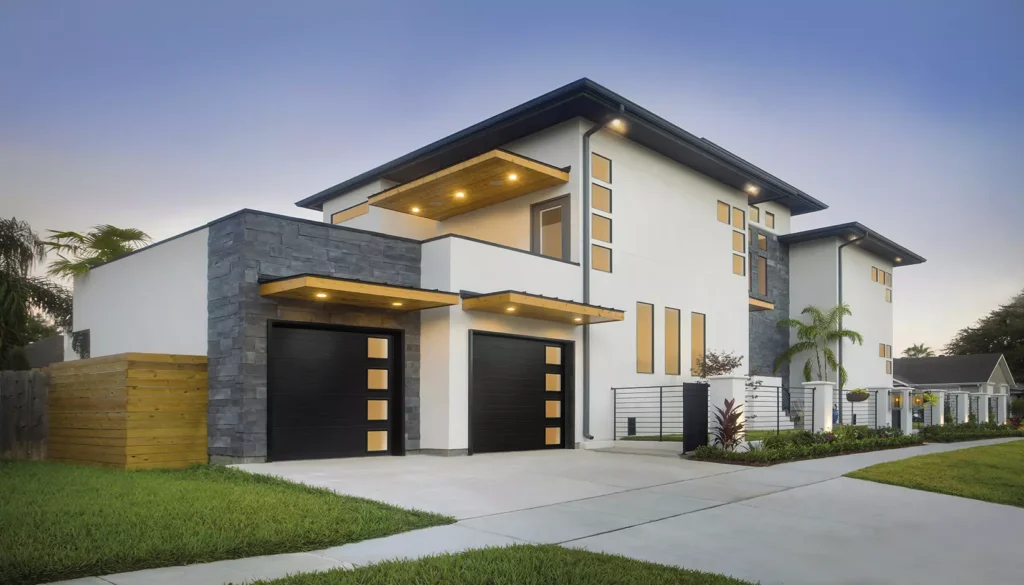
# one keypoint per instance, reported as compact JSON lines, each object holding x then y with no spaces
{"x":767,"y":339}
{"x":250,"y":245}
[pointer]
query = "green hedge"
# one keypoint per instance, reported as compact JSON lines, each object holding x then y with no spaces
{"x":968,"y":432}
{"x":794,"y":452}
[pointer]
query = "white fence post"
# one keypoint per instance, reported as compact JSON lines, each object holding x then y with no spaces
{"x":822,"y":411}
{"x":722,"y":388}
{"x":883,"y":410}
{"x":939,"y":409}
{"x":1001,"y":408}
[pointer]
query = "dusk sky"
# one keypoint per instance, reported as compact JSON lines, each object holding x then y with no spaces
{"x":905,"y":116}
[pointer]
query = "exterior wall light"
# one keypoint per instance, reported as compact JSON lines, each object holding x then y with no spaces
{"x":752,"y":189}
{"x":898,"y":259}
{"x":510,"y":309}
{"x":415,"y":209}
{"x":896,"y":399}
{"x":616,"y":123}
{"x":396,"y":304}
{"x":578,"y":319}
{"x":460,"y":195}
{"x":321,"y":295}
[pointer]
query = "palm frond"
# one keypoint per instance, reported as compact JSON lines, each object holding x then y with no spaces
{"x":791,"y":353}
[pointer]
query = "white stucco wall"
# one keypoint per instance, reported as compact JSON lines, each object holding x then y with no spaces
{"x":782,"y":217}
{"x":872,"y":318}
{"x":152,"y":301}
{"x":813,"y":281}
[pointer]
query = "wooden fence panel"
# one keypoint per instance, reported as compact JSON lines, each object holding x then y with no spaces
{"x":23,"y":414}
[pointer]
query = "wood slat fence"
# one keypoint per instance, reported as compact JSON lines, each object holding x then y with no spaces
{"x":23,"y":414}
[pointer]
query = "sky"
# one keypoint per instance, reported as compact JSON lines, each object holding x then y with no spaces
{"x":907,"y":116}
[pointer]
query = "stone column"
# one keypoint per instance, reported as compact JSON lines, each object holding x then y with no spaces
{"x":883,"y":411}
{"x":938,"y":410}
{"x":963,"y":407}
{"x":906,"y":411}
{"x":821,"y":412}
{"x":1001,"y":408}
{"x":721,"y":389}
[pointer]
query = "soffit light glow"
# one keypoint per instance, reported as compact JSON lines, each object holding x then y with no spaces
{"x":321,"y":295}
{"x":752,"y":189}
{"x":510,"y":309}
{"x":578,"y":319}
{"x":396,"y":304}
{"x":460,"y":195}
{"x":898,"y":259}
{"x":616,"y":123}
{"x":415,"y":209}
{"x":512,"y":176}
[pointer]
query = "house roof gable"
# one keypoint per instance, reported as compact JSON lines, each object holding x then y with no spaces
{"x":948,"y":369}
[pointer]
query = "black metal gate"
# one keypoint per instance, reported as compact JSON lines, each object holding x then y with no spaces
{"x":695,"y":416}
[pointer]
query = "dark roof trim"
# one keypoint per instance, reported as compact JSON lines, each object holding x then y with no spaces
{"x":469,"y":295}
{"x":262,"y":280}
{"x":874,"y":242}
{"x":583,"y":98}
{"x":469,"y":239}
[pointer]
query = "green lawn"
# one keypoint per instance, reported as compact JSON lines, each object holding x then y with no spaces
{"x":517,"y":565}
{"x":61,"y":521}
{"x":993,"y":474}
{"x":751,"y":436}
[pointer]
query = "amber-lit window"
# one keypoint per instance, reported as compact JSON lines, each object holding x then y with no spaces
{"x":601,"y":258}
{"x":769,"y":219}
{"x":874,"y":274}
{"x":644,"y":338}
{"x":698,"y":330}
{"x":881,"y":350}
{"x":602,"y":227}
{"x":739,"y":219}
{"x":600,"y":168}
{"x":671,"y":341}
{"x":755,"y":214}
{"x":723,"y":212}
{"x":888,"y":351}
{"x":601,"y":197}
{"x":739,"y":265}
{"x":888,"y":295}
{"x":888,"y":279}
{"x":888,"y":366}
{"x":762,"y":276}
{"x":762,"y":242}
{"x":739,"y":242}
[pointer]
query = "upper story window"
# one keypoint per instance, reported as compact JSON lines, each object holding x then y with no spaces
{"x":601,"y":198}
{"x":738,"y":218}
{"x":549,"y":224}
{"x":755,"y":214}
{"x":762,"y":242}
{"x":723,"y":212}
{"x":769,"y":219}
{"x":739,"y":242}
{"x":762,"y":276}
{"x":600,"y":168}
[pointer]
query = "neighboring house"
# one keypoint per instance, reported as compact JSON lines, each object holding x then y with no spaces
{"x":44,"y":352}
{"x":978,"y":383}
{"x":485,"y":292}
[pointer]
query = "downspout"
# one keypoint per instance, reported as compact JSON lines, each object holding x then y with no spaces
{"x":585,"y":253}
{"x":840,"y":356}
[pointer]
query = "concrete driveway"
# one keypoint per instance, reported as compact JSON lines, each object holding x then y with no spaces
{"x":797,"y":523}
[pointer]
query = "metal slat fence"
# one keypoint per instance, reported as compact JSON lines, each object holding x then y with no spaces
{"x":778,"y":408}
{"x":648,"y":413}
{"x":863,"y":413}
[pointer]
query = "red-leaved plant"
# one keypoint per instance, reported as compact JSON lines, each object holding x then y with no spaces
{"x":728,"y":429}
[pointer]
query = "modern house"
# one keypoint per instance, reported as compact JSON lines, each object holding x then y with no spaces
{"x":978,"y":384}
{"x":484,"y":292}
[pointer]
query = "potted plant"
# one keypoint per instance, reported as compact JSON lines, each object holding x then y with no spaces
{"x":930,"y":399}
{"x":857,"y":395}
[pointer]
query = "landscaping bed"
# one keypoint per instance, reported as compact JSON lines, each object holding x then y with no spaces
{"x":799,"y":445}
{"x":62,"y":521}
{"x":969,"y":432}
{"x":514,"y":565}
{"x":990,"y":473}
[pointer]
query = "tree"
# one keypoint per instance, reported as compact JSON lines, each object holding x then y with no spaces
{"x":78,"y":253}
{"x":817,"y":338}
{"x":918,"y":350}
{"x":21,"y":295}
{"x":1001,"y":331}
{"x":717,"y":363}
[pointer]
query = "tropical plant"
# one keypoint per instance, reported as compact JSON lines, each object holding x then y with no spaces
{"x":77,"y":253}
{"x":918,"y":350}
{"x":717,"y":363}
{"x":930,"y":399}
{"x":728,"y":431}
{"x":817,"y":338}
{"x":23,"y":296}
{"x":1001,"y":331}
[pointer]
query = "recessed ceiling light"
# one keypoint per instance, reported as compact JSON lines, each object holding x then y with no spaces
{"x":415,"y":209}
{"x":512,"y":176}
{"x":396,"y":304}
{"x":898,"y":259}
{"x":510,"y":309}
{"x":617,"y":123}
{"x":321,"y":295}
{"x":459,"y":195}
{"x":752,"y":189}
{"x":578,"y":319}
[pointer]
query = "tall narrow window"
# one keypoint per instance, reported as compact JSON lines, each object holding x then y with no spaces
{"x":672,"y":341}
{"x":888,"y":295}
{"x":739,"y":242}
{"x":601,"y":258}
{"x":769,"y":219}
{"x":755,"y":214}
{"x":697,"y":340}
{"x":600,"y":168}
{"x":762,"y":276}
{"x":881,"y":350}
{"x":739,"y":265}
{"x":723,"y":212}
{"x":888,"y":366}
{"x":762,"y":242}
{"x":601,"y":227}
{"x":874,"y":274}
{"x":550,"y":226}
{"x":739,"y":219}
{"x":601,"y":197}
{"x":644,"y":338}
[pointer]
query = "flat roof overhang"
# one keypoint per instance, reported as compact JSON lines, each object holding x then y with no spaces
{"x":358,"y":293}
{"x":759,"y":305}
{"x":873,"y":242}
{"x":533,"y":306}
{"x":481,"y":181}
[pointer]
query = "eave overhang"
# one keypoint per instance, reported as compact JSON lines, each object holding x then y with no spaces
{"x":874,"y":242}
{"x":530,"y":306}
{"x":358,"y":293}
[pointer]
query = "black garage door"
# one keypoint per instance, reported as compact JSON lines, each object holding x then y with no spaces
{"x":333,"y":392}
{"x":520,"y":395}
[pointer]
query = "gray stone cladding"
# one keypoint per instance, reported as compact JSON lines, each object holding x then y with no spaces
{"x":249,"y":246}
{"x":767,"y":339}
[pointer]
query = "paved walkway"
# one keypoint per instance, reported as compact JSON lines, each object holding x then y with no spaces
{"x":796,"y":523}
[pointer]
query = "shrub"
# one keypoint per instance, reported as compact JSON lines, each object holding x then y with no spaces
{"x":1017,"y":407}
{"x":727,"y":433}
{"x":930,"y":399}
{"x":793,"y":452}
{"x":969,"y":432}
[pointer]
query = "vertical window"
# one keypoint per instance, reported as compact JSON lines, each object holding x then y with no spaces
{"x":739,"y":265}
{"x":769,"y":219}
{"x":874,"y":274}
{"x":888,"y":295}
{"x":739,"y":219}
{"x":723,"y":212}
{"x":762,"y":276}
{"x":601,"y":258}
{"x":672,"y":341}
{"x":600,"y":168}
{"x":888,"y":279}
{"x":755,"y":214}
{"x":739,"y":242}
{"x":888,"y":351}
{"x":601,"y":197}
{"x":888,"y":366}
{"x":550,"y":228}
{"x":644,"y":338}
{"x":697,"y":340}
{"x":762,"y":242}
{"x":881,"y":350}
{"x":601,"y":227}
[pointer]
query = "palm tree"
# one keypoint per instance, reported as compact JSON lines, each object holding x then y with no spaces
{"x":918,"y":350}
{"x":78,"y":253}
{"x":817,"y":338}
{"x":21,"y":295}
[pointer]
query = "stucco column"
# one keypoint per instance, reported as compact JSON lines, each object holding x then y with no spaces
{"x":1001,"y":408}
{"x":821,"y":412}
{"x":938,"y":410}
{"x":722,"y":388}
{"x":983,"y":408}
{"x":906,"y":411}
{"x":963,"y":407}
{"x":883,"y":412}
